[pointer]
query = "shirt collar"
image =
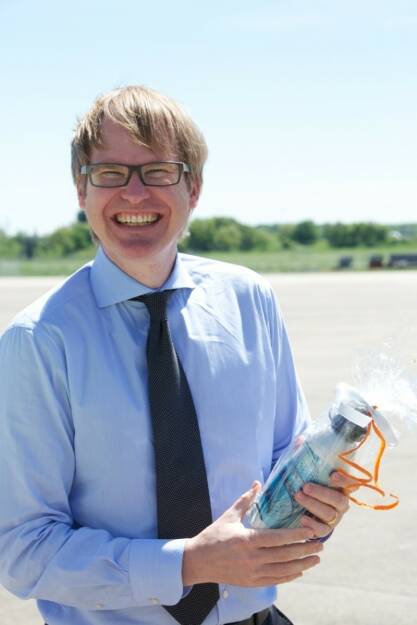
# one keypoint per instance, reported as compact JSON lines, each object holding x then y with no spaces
{"x":111,"y":285}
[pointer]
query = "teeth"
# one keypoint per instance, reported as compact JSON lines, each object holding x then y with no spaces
{"x":136,"y":220}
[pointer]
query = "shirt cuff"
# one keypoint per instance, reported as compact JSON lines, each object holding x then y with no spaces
{"x":155,"y":571}
{"x":324,"y":538}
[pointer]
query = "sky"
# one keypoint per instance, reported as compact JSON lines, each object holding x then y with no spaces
{"x":309,"y":107}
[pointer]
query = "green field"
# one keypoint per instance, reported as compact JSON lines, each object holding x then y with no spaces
{"x":298,"y":259}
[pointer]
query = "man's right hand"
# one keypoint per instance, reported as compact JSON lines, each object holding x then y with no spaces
{"x":226,"y":552}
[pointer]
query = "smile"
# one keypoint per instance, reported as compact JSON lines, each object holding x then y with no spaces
{"x":136,"y":220}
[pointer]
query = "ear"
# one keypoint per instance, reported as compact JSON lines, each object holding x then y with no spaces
{"x":195,"y":191}
{"x":81,"y":191}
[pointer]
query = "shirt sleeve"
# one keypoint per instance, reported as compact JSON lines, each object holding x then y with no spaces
{"x":292,"y":416}
{"x":42,"y":554}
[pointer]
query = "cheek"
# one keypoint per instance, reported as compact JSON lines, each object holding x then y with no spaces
{"x":185,"y":203}
{"x":96,"y":201}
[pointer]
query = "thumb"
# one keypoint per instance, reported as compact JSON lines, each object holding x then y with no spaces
{"x":242,"y":505}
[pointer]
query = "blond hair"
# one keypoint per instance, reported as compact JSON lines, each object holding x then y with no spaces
{"x":152,"y":119}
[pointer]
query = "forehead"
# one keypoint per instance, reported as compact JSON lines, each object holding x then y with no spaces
{"x":118,"y":146}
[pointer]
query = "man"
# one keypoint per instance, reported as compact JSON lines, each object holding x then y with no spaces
{"x":84,"y":525}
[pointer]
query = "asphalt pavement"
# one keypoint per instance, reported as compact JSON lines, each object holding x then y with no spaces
{"x":337,"y":322}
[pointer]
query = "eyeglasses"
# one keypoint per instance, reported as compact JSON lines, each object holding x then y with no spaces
{"x":156,"y":174}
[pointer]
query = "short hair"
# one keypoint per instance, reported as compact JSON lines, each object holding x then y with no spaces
{"x":152,"y":119}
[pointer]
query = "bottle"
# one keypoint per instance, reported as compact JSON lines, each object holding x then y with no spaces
{"x":311,"y":461}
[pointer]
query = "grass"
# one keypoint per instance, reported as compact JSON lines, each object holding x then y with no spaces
{"x":312,"y":258}
{"x":63,"y":266}
{"x":298,"y":259}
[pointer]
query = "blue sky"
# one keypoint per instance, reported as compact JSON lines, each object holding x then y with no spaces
{"x":309,"y":107}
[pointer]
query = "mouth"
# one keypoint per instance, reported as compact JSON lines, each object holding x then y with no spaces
{"x":143,"y":219}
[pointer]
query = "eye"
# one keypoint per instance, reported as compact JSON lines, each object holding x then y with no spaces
{"x":159,"y":169}
{"x":111,"y":173}
{"x":108,"y":174}
{"x":161,"y":173}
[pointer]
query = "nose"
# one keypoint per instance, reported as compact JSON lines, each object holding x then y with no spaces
{"x":135,"y":192}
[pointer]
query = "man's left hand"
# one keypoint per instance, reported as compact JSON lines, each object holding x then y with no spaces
{"x":327,"y":504}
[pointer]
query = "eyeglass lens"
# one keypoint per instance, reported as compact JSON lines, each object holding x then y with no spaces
{"x":153,"y":174}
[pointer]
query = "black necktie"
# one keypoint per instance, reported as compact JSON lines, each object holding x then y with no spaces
{"x":183,"y":500}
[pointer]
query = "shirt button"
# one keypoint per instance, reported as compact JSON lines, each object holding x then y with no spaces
{"x":154,"y":601}
{"x":225,"y":594}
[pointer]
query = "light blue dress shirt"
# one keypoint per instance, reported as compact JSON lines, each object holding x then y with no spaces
{"x":77,"y":506}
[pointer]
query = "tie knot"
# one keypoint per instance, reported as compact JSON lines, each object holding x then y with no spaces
{"x":156,"y":303}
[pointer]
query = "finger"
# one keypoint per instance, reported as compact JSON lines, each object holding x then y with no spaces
{"x":321,"y":511}
{"x":338,"y":480}
{"x":299,"y":441}
{"x":265,"y":538}
{"x":328,"y":496}
{"x":242,"y":505}
{"x":319,"y":528}
{"x":272,"y":581}
{"x":289,"y":553}
{"x":291,"y":568}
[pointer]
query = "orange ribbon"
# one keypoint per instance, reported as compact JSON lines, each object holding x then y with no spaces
{"x":371,"y":479}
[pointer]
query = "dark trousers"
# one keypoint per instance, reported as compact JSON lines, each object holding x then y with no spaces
{"x":267,"y":617}
{"x":276,"y":617}
{"x":270,"y":616}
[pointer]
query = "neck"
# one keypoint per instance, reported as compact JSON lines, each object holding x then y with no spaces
{"x":149,"y":273}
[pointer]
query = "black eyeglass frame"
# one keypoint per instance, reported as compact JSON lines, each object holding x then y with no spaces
{"x":183,"y":168}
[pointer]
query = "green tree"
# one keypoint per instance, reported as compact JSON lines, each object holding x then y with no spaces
{"x":28,"y":244}
{"x":305,"y":232}
{"x":257,"y":238}
{"x":216,"y":233}
{"x":9,"y":247}
{"x":339,"y":235}
{"x":369,"y":234}
{"x":353,"y":235}
{"x":285,"y":236}
{"x":227,"y":238}
{"x":64,"y":241}
{"x":200,"y":235}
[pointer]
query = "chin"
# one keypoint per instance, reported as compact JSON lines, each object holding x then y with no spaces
{"x":150,"y":253}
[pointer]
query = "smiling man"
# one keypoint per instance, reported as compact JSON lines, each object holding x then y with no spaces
{"x":143,"y":402}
